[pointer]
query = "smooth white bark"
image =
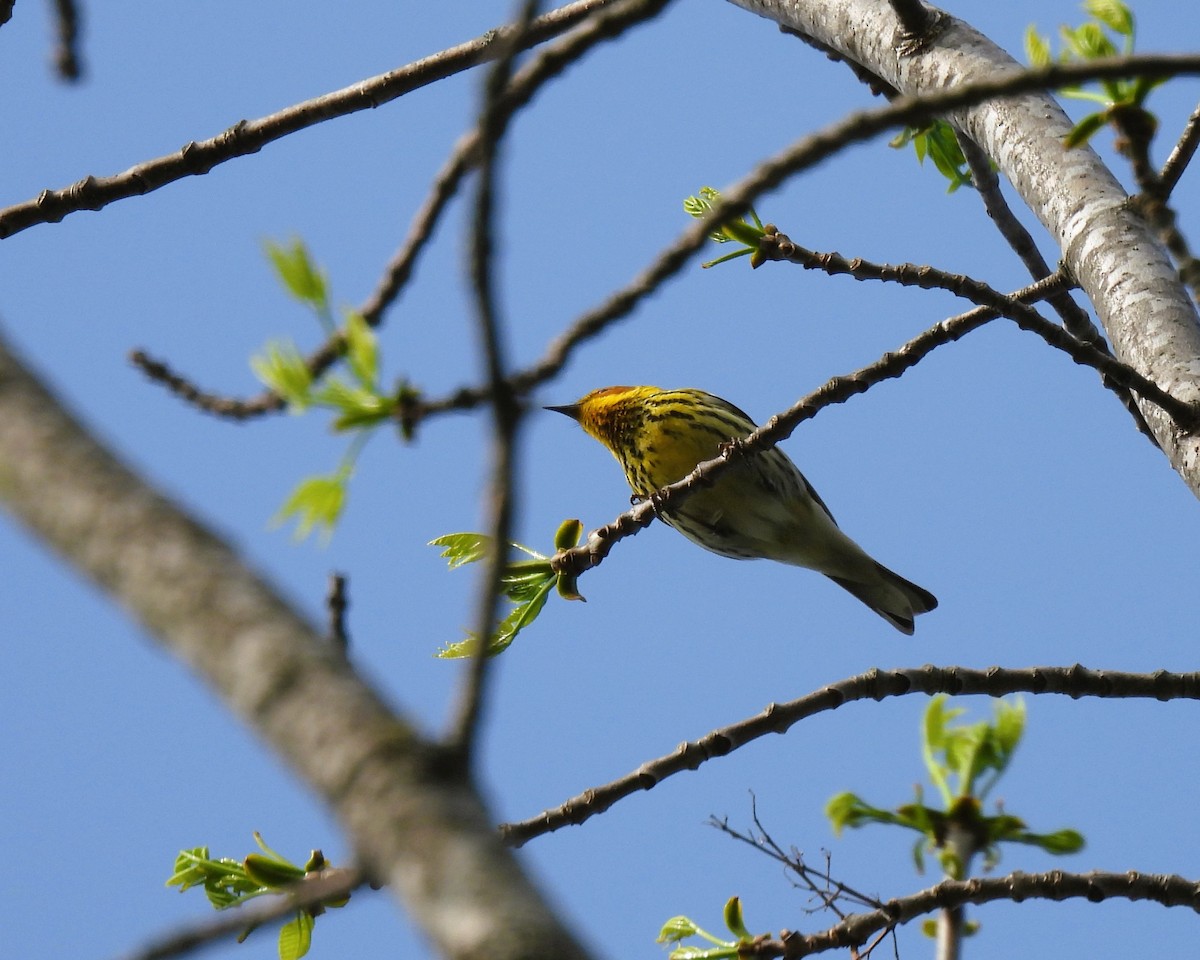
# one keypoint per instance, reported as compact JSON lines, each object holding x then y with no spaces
{"x":1132,"y":284}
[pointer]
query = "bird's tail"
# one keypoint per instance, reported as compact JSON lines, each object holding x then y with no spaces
{"x":895,"y":599}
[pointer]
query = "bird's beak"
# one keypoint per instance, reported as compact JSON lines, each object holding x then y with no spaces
{"x":571,"y":410}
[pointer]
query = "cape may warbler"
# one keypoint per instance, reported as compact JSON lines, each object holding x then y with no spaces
{"x":759,"y":507}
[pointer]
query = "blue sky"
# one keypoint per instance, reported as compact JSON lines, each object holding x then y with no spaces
{"x":997,"y":474}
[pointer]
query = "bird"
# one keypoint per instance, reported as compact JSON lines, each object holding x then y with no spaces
{"x":759,"y":507}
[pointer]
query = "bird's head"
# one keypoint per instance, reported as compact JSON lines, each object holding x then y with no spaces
{"x":610,"y":414}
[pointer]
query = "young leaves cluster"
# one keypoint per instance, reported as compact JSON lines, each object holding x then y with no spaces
{"x":356,"y":400}
{"x":1110,"y":32}
{"x":741,"y":231}
{"x":937,"y":141}
{"x":964,"y":761}
{"x":229,"y":882}
{"x":678,"y":929}
{"x":526,"y":584}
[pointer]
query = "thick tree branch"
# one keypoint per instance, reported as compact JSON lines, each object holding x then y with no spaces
{"x":1074,"y":682}
{"x":415,"y":823}
{"x":1150,"y":320}
{"x":803,"y":154}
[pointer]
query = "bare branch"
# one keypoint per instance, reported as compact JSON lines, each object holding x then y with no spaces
{"x":336,"y":602}
{"x":66,"y":54}
{"x":609,"y":23}
{"x":494,"y":120}
{"x":418,"y":827}
{"x":333,"y":884}
{"x":250,"y":136}
{"x":1074,"y":317}
{"x":838,"y":389}
{"x":806,"y":152}
{"x":777,"y":246}
{"x":1074,"y":682}
{"x":1182,"y":154}
{"x":1168,"y":889}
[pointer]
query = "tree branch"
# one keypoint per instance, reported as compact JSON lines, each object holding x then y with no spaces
{"x":777,"y":246}
{"x":1181,"y":155}
{"x":1074,"y":682}
{"x":506,"y":413}
{"x":414,"y":823}
{"x":804,"y":153}
{"x":1146,"y":312}
{"x":250,"y":136}
{"x":310,"y":892}
{"x":838,"y":389}
{"x":1097,"y":886}
{"x":608,"y":24}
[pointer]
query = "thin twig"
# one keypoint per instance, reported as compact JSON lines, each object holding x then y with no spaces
{"x":829,"y":894}
{"x":1135,"y":130}
{"x":806,"y":152}
{"x":987,"y":185}
{"x":506,"y":413}
{"x":838,"y":389}
{"x":66,"y":54}
{"x":333,"y":884}
{"x":777,"y":246}
{"x":1170,"y":890}
{"x":249,"y":136}
{"x":611,"y":22}
{"x":1020,"y":240}
{"x":1074,"y":682}
{"x":336,"y":602}
{"x":1181,"y":155}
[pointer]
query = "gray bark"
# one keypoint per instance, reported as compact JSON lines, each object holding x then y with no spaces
{"x":1150,"y":321}
{"x":413,"y":815}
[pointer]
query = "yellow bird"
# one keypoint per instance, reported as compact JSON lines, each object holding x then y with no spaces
{"x":759,"y":507}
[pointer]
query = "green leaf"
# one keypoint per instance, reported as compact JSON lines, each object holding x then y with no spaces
{"x":1113,"y":14}
{"x":358,"y":406}
{"x":316,"y":503}
{"x":281,"y":368}
{"x":1009,"y":727}
{"x":934,"y":741}
{"x":1060,"y":842}
{"x":939,"y":142}
{"x":302,"y":279}
{"x":1037,"y":48}
{"x":267,"y":871}
{"x":1084,"y":130}
{"x":295,"y":936}
{"x":676,"y":929}
{"x":506,"y":631}
{"x":847,"y":810}
{"x":519,"y":618}
{"x":362,"y":350}
{"x":734,"y":921}
{"x":568,"y":534}
{"x":461,"y":548}
{"x":521,"y":582}
{"x":741,"y":230}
